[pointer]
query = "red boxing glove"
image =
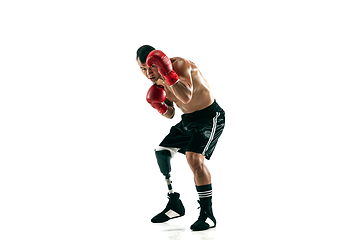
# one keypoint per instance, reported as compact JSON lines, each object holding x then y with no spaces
{"x":156,"y":97}
{"x":163,"y":63}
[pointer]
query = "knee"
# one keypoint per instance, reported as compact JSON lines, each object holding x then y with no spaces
{"x":195,"y":161}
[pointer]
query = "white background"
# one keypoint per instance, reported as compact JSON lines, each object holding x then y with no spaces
{"x":77,"y":135}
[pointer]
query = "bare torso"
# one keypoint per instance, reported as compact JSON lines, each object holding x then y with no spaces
{"x":202,"y":96}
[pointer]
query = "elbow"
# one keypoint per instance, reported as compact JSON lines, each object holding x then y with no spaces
{"x":187,"y":96}
{"x":186,"y":99}
{"x":172,"y":115}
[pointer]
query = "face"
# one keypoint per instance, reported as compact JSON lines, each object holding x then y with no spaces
{"x":149,"y":72}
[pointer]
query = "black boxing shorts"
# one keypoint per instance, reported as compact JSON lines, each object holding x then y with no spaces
{"x":197,"y":132}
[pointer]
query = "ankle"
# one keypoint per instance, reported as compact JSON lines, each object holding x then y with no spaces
{"x":205,"y":193}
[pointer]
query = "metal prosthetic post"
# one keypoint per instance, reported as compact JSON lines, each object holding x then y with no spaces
{"x":168,"y":181}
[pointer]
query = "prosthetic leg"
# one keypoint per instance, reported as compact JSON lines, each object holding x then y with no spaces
{"x":174,"y":208}
{"x":163,"y":159}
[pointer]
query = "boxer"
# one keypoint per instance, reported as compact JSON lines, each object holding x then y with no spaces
{"x":178,"y":80}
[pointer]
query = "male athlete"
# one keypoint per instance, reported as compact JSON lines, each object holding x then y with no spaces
{"x":177,"y":80}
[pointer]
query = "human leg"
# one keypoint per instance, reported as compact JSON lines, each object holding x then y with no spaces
{"x":202,"y":179}
{"x":201,"y":173}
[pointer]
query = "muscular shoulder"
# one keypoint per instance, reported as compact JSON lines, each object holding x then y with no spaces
{"x":182,"y":63}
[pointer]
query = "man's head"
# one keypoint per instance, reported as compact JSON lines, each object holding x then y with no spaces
{"x":150,"y":72}
{"x":143,"y":52}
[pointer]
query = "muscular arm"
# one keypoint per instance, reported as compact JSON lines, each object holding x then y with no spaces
{"x":183,"y":89}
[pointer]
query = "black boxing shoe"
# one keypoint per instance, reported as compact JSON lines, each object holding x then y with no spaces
{"x":206,"y":219}
{"x":173,"y":209}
